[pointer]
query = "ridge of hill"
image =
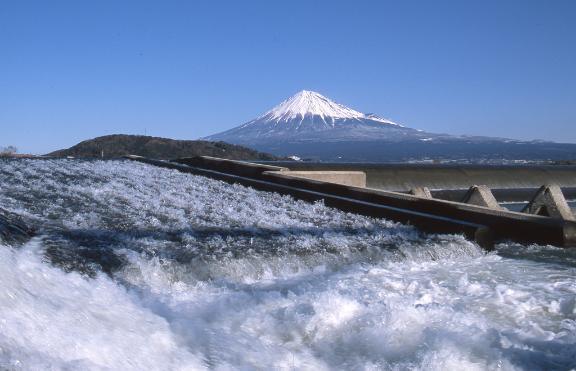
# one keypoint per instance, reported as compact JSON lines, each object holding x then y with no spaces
{"x":117,"y":145}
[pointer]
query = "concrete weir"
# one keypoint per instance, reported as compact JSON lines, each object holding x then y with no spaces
{"x":483,"y":224}
{"x":481,"y":196}
{"x":550,"y":201}
{"x":508,"y":183}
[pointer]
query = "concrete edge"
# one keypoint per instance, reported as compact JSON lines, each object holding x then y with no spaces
{"x":424,"y":222}
{"x":429,"y":215}
{"x":348,"y":178}
{"x":423,"y":192}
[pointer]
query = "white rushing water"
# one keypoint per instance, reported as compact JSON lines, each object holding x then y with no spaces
{"x":136,"y":267}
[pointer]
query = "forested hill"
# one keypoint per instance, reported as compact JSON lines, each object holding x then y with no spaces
{"x":112,"y":146}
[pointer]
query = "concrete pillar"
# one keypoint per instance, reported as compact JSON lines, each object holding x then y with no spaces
{"x":421,"y":192}
{"x":481,"y":195}
{"x":549,"y":201}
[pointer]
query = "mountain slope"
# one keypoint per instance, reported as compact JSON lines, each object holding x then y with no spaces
{"x":310,"y":125}
{"x":309,"y":116}
{"x":111,"y":146}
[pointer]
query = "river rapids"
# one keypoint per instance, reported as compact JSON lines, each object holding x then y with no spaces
{"x":133,"y":267}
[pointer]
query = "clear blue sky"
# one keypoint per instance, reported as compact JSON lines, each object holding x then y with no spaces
{"x":72,"y":70}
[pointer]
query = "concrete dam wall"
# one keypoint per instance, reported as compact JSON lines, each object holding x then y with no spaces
{"x":404,"y":177}
{"x":479,"y":218}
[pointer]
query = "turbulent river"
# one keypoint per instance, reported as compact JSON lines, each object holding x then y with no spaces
{"x":137,"y":267}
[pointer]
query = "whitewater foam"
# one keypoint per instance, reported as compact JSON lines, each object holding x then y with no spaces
{"x":136,"y":267}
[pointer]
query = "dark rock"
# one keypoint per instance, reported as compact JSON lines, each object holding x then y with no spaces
{"x":13,"y":230}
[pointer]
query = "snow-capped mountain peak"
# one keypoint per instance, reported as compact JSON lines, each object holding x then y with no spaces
{"x":310,"y":103}
{"x":308,"y":116}
{"x":306,"y":103}
{"x":309,"y":125}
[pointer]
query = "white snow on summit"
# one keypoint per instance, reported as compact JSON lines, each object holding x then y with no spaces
{"x":311,"y":117}
{"x":374,"y":117}
{"x":310,"y":103}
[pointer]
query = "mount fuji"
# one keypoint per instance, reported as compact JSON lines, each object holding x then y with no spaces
{"x":311,"y":125}
{"x":311,"y":117}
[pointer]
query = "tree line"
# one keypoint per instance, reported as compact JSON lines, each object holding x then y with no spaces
{"x":8,"y":150}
